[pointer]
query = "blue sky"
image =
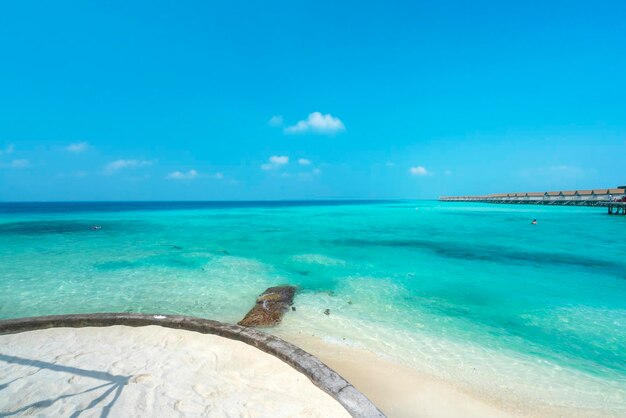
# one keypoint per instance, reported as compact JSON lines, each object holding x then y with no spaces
{"x":150,"y":100}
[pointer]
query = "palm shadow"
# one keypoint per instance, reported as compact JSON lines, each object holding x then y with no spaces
{"x":114,"y":384}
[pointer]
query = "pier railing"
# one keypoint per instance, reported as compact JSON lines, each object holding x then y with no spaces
{"x":613,"y":199}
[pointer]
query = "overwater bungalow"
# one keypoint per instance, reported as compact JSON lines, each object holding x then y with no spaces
{"x":590,"y":197}
{"x":586,"y":195}
{"x":552,"y":196}
{"x":535,"y":196}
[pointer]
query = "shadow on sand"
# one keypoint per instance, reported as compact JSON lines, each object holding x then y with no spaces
{"x":113,"y":385}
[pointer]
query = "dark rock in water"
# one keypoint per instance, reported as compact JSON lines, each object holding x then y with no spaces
{"x":270,"y":307}
{"x":349,"y":302}
{"x":293,"y":308}
{"x":327,"y":312}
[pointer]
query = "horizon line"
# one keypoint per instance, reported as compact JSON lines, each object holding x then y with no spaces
{"x":222,"y":201}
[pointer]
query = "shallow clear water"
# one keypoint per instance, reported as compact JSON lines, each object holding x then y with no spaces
{"x":469,"y":292}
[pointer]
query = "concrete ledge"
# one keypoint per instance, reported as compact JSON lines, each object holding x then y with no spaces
{"x":321,"y":375}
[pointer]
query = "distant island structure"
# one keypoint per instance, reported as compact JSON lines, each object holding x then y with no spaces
{"x":614,"y":199}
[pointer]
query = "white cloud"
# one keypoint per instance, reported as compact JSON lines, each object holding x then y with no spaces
{"x":304,"y":161}
{"x":116,"y":165}
{"x":317,"y":123}
{"x":217,"y":176}
{"x":418,"y":171}
{"x":279,"y":159}
{"x":307,"y":175}
{"x":276,"y":121}
{"x":567,"y":169}
{"x":560,"y":171}
{"x":18,"y":164}
{"x":275,"y":162}
{"x":179,"y":175}
{"x":78,"y":147}
{"x":8,"y":150}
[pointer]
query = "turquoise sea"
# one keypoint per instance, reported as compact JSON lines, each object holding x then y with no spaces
{"x":468,"y":292}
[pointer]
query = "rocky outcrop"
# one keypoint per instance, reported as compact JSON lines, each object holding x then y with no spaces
{"x":270,"y":307}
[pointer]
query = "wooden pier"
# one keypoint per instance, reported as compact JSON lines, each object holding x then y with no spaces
{"x":616,"y":208}
{"x":613,"y":199}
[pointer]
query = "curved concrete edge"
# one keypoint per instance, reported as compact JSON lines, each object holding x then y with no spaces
{"x":321,"y":375}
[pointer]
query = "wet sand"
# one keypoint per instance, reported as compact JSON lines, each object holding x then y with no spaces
{"x":403,"y":392}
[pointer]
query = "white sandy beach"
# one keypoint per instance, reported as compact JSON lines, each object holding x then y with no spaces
{"x":400,"y":392}
{"x":149,"y":372}
{"x":403,"y":392}
{"x":153,"y":371}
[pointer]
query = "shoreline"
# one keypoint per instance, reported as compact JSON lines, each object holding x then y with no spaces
{"x":401,"y":391}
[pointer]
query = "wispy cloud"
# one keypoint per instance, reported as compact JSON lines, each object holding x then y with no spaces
{"x":275,"y":162}
{"x":310,"y":174}
{"x":419,"y":171}
{"x":117,"y":165}
{"x":180,"y":175}
{"x":317,"y":123}
{"x":567,"y":169}
{"x":22,"y":163}
{"x":193,"y":174}
{"x":8,"y":150}
{"x":17,"y":163}
{"x":560,"y":171}
{"x":78,"y":147}
{"x":73,"y":174}
{"x":304,"y":161}
{"x":276,"y":121}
